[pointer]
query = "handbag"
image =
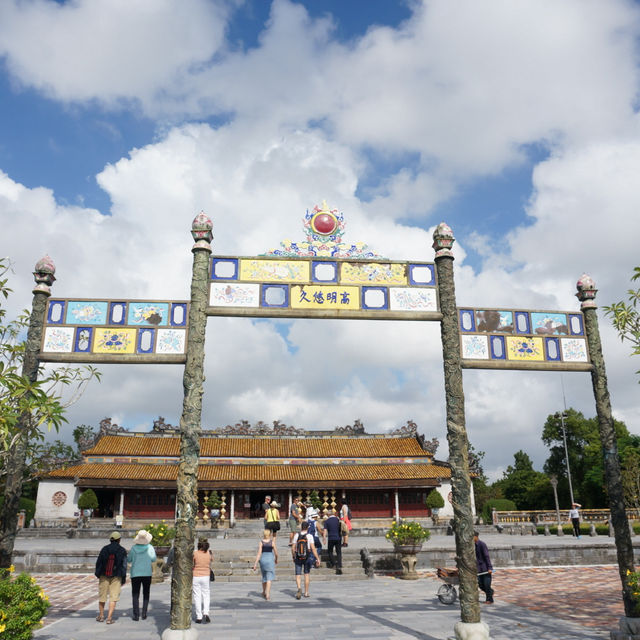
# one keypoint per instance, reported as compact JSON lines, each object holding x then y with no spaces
{"x":212,"y":576}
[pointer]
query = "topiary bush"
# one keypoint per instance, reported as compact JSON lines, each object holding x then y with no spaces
{"x":23,"y":604}
{"x":434,"y":500}
{"x":88,"y":500}
{"x":499,"y":504}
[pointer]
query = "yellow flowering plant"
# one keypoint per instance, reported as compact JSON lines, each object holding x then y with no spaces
{"x":162,"y":534}
{"x":407,"y":533}
{"x":633,"y":580}
{"x":23,"y":604}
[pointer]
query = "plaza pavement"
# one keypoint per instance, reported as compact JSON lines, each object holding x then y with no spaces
{"x":565,"y":603}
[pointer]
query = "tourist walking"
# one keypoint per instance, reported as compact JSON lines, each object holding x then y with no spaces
{"x":485,"y":569}
{"x":265,"y":508}
{"x":316,"y":530}
{"x":295,"y":518}
{"x":111,"y":571}
{"x":141,"y":558}
{"x":272,"y":518}
{"x":345,"y":516}
{"x":268,"y":559}
{"x":202,"y":567}
{"x":334,"y":541}
{"x":574,"y":518}
{"x":304,"y":556}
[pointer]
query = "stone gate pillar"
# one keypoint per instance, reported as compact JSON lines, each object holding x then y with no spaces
{"x":613,"y":477}
{"x":16,"y":460}
{"x":456,"y":433}
{"x":190,"y":429}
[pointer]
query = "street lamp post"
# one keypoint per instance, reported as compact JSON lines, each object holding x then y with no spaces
{"x":554,"y":483}
{"x":566,"y":453}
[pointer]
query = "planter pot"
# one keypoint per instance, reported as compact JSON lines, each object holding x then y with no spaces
{"x":162,"y":551}
{"x":408,"y":560}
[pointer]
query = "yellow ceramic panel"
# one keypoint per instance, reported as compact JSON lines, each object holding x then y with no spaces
{"x":274,"y":270}
{"x":525,"y":349}
{"x":373,"y":273}
{"x":114,"y":340}
{"x":325,"y":297}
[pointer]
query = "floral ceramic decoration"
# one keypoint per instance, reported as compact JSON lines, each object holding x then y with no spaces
{"x":373,"y":272}
{"x":274,"y":270}
{"x":527,"y":349}
{"x":109,"y":340}
{"x":494,"y":321}
{"x":87,"y":312}
{"x":475,"y":347}
{"x":170,"y":341}
{"x":58,"y":339}
{"x":234,"y":295}
{"x":401,"y":299}
{"x":148,"y":313}
{"x":549,"y":324}
{"x":574,"y":350}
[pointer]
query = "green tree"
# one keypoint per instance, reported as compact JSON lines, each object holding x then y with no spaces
{"x":521,"y":483}
{"x":88,"y":500}
{"x":31,"y":398}
{"x":626,"y":317}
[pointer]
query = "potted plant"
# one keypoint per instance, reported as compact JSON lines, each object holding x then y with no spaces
{"x":435,"y":502}
{"x":87,"y":502}
{"x":407,"y":537}
{"x":214,"y":502}
{"x":162,"y":535}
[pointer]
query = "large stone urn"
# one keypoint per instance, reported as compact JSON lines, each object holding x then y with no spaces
{"x":408,"y":560}
{"x":161,"y":553}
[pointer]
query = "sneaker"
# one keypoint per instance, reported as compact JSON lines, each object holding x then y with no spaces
{"x":198,"y":620}
{"x":338,"y":572}
{"x":206,"y":619}
{"x":298,"y":594}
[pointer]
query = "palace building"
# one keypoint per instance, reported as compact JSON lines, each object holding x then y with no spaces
{"x":134,"y":474}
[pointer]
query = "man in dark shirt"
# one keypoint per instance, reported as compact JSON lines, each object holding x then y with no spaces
{"x":485,"y":569}
{"x":334,"y":541}
{"x":111,"y":571}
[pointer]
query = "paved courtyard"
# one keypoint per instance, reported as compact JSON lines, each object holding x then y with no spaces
{"x":560,"y":603}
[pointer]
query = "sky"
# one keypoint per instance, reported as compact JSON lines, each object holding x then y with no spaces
{"x":514,"y":121}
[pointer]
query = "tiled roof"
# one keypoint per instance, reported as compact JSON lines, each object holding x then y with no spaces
{"x":262,"y":447}
{"x":257,"y":473}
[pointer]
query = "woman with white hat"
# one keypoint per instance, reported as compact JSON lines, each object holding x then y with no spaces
{"x":141,"y":557}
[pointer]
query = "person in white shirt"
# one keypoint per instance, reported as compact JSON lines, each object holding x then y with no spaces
{"x":574,"y":517}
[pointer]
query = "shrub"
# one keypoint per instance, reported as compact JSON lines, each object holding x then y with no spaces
{"x":499,"y":504}
{"x":407,"y":533}
{"x":88,"y":500}
{"x":23,"y":604}
{"x":162,"y":534}
{"x":435,"y":500}
{"x":214,"y":501}
{"x":28,"y":505}
{"x":633,"y":580}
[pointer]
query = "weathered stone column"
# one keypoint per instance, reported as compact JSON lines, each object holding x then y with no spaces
{"x":457,"y":438}
{"x":613,"y":477}
{"x":190,"y":429}
{"x":16,"y":460}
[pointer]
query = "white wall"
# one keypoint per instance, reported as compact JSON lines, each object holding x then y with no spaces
{"x":45,"y":507}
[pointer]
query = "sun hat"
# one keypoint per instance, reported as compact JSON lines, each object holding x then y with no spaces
{"x":115,"y":536}
{"x":143,"y":537}
{"x":274,"y":504}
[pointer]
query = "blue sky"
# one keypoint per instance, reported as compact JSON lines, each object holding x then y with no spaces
{"x":516,"y":123}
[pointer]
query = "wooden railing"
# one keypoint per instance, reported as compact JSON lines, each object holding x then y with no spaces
{"x":550,"y":517}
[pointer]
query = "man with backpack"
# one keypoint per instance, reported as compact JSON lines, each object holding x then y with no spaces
{"x":111,"y":571}
{"x":305,"y":556}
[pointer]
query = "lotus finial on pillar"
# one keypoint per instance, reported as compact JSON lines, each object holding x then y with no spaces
{"x":201,"y":230}
{"x":443,"y":240}
{"x":586,"y":291}
{"x":44,"y":275}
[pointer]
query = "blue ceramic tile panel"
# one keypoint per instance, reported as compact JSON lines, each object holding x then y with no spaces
{"x":375,"y":298}
{"x":549,"y":324}
{"x":178,"y":314}
{"x":494,"y":321}
{"x":148,"y":314}
{"x":82,"y":342}
{"x":224,"y":269}
{"x":324,"y":271}
{"x":467,"y":320}
{"x":87,"y":312}
{"x":422,"y":274}
{"x":523,"y":325}
{"x":576,"y":326}
{"x":55,"y":313}
{"x":146,"y":340}
{"x":274,"y":295}
{"x":552,"y":349}
{"x":118,"y":313}
{"x":498,"y":350}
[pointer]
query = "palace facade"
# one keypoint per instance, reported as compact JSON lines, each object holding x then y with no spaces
{"x":134,"y":474}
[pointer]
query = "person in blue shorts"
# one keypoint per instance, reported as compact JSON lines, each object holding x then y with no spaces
{"x":305,"y":556}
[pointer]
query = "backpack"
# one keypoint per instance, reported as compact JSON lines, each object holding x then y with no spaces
{"x":312,"y":528}
{"x":302,"y":548}
{"x":111,"y":561}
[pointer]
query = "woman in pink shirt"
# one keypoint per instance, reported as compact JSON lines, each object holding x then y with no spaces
{"x":202,"y":565}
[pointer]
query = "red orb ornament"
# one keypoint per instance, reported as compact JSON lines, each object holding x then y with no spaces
{"x":324,"y":223}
